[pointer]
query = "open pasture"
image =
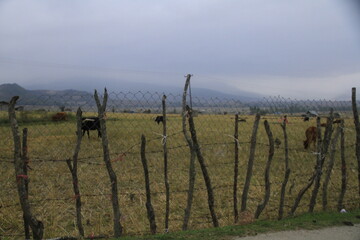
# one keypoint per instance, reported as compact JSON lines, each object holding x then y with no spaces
{"x":52,"y":197}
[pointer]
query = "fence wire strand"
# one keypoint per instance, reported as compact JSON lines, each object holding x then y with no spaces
{"x":131,"y":114}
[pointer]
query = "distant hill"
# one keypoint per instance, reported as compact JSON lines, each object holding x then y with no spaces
{"x":131,"y":86}
{"x":43,"y":97}
{"x":9,"y":90}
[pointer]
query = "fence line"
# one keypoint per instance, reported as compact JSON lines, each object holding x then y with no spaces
{"x":132,"y":114}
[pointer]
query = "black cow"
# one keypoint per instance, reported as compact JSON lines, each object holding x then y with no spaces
{"x":159,"y":119}
{"x":90,"y":123}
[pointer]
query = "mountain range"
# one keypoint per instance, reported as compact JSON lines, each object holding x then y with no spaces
{"x":8,"y":90}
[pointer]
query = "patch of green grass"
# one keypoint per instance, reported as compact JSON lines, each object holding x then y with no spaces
{"x":304,"y":221}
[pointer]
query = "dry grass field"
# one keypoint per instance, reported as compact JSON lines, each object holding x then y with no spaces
{"x":52,"y":197}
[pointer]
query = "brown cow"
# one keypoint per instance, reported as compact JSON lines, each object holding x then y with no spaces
{"x":311,"y":134}
{"x":60,"y":116}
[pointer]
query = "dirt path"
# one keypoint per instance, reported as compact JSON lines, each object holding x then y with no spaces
{"x":332,"y":233}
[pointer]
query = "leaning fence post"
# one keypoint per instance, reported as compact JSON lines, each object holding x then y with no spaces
{"x":192,"y":172}
{"x":287,"y":170}
{"x":343,"y":167}
{"x":330,"y":167}
{"x":261,"y":206}
{"x":250,"y":163}
{"x":318,"y":168}
{"x":36,"y":226}
{"x":73,"y":170}
{"x":315,"y":173}
{"x":112,"y":175}
{"x":166,"y":178}
{"x":236,"y":168}
{"x":322,"y":151}
{"x":211,"y":201}
{"x":357,"y":128}
{"x":149,"y":207}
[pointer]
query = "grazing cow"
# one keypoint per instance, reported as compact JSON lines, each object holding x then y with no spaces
{"x":60,"y":116}
{"x":311,"y":135}
{"x":306,"y":119}
{"x":159,"y":119}
{"x":90,"y":123}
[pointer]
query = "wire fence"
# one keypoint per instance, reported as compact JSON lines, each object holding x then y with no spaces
{"x":51,"y":124}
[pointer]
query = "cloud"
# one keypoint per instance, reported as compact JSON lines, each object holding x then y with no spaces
{"x":285,"y":42}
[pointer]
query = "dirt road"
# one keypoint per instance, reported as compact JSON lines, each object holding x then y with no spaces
{"x":331,"y":233}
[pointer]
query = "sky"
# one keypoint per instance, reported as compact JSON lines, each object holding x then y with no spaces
{"x":298,"y":49}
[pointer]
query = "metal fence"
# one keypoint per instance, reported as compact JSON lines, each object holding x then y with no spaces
{"x":51,"y":142}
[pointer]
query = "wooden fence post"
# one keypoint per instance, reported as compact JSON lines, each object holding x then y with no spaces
{"x":322,"y":149}
{"x":250,"y":163}
{"x":73,"y":170}
{"x":112,"y":175}
{"x":330,"y":167}
{"x":192,"y":172}
{"x":25,"y":168}
{"x":166,"y":178}
{"x":287,"y":170}
{"x":315,"y":173}
{"x":357,"y":127}
{"x":36,"y":226}
{"x":211,"y":201}
{"x":261,"y":206}
{"x":343,"y":167}
{"x":149,"y":207}
{"x":236,"y":168}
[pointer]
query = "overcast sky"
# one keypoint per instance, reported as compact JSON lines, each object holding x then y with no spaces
{"x":299,"y":48}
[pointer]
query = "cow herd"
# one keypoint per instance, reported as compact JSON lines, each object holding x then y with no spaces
{"x":93,"y":123}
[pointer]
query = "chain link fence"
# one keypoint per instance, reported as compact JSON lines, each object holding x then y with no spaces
{"x":52,"y":140}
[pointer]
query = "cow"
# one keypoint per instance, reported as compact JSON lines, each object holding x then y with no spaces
{"x":306,"y":119}
{"x":90,"y":123}
{"x":60,"y":116}
{"x":159,"y":119}
{"x":311,"y":135}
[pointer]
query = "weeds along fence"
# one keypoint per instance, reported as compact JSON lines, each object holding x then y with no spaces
{"x":206,"y":162}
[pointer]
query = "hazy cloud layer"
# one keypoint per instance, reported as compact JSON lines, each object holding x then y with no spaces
{"x":300,"y":48}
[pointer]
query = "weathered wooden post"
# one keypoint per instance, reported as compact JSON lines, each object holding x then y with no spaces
{"x":287,"y":170}
{"x":211,"y":201}
{"x":330,"y":167}
{"x":322,"y":149}
{"x":149,"y":207}
{"x":192,"y":172}
{"x":166,"y":178}
{"x":73,"y":170}
{"x":250,"y":163}
{"x":236,"y":168}
{"x":112,"y":175}
{"x":343,"y":167}
{"x":261,"y":206}
{"x":36,"y":226}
